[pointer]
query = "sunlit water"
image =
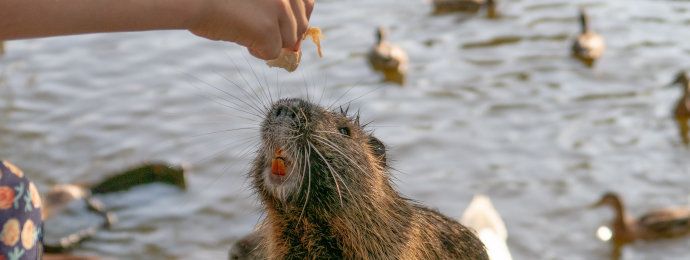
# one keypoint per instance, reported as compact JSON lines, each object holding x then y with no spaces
{"x":491,"y":106}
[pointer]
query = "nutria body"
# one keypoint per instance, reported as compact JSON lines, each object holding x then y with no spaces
{"x":327,"y":192}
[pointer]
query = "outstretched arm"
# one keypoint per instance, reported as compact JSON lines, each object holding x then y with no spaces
{"x":263,"y":26}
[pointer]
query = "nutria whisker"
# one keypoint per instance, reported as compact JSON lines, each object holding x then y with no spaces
{"x":328,"y":143}
{"x":334,"y":147}
{"x":227,"y":147}
{"x":303,"y":114}
{"x":330,"y":107}
{"x":330,"y":169}
{"x":254,"y":113}
{"x":258,"y":80}
{"x":235,"y":106}
{"x":337,"y":101}
{"x":226,"y":131}
{"x":327,"y":132}
{"x":300,"y":171}
{"x":338,"y":150}
{"x":294,"y":169}
{"x":308,"y":166}
{"x":255,"y":110}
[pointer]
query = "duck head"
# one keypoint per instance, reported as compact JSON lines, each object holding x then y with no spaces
{"x":610,"y":198}
{"x":381,"y":34}
{"x":681,"y":78}
{"x":584,"y":21}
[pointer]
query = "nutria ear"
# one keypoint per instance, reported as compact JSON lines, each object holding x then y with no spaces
{"x":378,"y":149}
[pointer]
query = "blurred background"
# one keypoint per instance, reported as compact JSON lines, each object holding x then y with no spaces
{"x":493,"y":106}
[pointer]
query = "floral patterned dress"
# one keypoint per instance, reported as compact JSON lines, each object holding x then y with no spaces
{"x":21,"y":226}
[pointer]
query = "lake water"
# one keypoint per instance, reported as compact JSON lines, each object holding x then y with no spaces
{"x":492,"y":106}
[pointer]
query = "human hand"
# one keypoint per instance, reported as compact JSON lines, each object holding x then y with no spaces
{"x":263,"y":26}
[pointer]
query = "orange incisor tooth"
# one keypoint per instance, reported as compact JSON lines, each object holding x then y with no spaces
{"x":278,"y":166}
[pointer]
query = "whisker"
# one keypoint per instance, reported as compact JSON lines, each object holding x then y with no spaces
{"x":246,"y":82}
{"x":308,"y":164}
{"x":258,"y":80}
{"x":334,"y":147}
{"x":302,"y":170}
{"x":365,"y":94}
{"x":226,"y":148}
{"x":323,"y":92}
{"x":234,"y":106}
{"x":225,"y":131}
{"x":338,"y":175}
{"x":335,"y":180}
{"x":256,"y":106}
{"x":332,"y":105}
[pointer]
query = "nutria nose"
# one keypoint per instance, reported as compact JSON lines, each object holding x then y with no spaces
{"x":285,"y":111}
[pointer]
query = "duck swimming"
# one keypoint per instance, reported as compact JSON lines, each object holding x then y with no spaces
{"x":682,"y":109}
{"x":683,"y":106}
{"x":656,"y":224}
{"x":387,"y":58}
{"x":588,"y":45}
{"x":485,"y":220}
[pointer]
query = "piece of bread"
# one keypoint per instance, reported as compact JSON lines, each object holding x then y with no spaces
{"x":288,"y":59}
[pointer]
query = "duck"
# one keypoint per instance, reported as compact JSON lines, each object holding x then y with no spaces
{"x":388,"y":58}
{"x":588,"y":46}
{"x":465,"y":6}
{"x":481,"y":216}
{"x":682,"y":109}
{"x":657,"y":224}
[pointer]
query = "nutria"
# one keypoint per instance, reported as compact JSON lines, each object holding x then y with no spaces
{"x":326,"y":189}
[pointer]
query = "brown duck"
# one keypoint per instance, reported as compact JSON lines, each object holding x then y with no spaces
{"x":388,"y":58}
{"x":682,"y":109}
{"x":588,"y":46}
{"x":656,"y":224}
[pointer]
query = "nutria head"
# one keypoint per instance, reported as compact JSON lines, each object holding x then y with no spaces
{"x":307,"y":149}
{"x":324,"y":183}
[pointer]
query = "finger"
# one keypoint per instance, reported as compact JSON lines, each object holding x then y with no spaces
{"x":267,"y":50}
{"x":300,"y":14}
{"x":267,"y":42}
{"x":297,"y":45}
{"x":288,"y":27}
{"x":309,"y":6}
{"x":255,"y":53}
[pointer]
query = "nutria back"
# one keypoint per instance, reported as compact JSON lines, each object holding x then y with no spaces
{"x":326,"y":188}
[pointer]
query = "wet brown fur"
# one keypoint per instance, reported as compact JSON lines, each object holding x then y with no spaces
{"x":345,"y":206}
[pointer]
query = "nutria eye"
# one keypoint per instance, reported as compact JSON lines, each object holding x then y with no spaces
{"x":344,"y":130}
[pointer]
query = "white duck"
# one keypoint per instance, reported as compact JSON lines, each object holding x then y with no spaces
{"x":481,"y":216}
